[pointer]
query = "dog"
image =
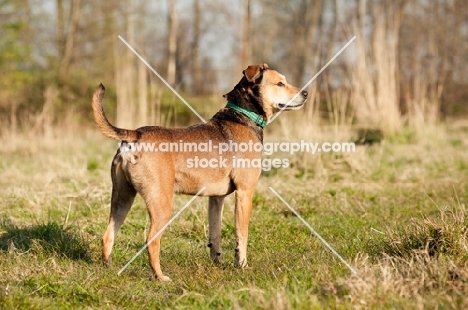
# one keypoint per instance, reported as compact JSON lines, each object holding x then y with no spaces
{"x":156,"y":176}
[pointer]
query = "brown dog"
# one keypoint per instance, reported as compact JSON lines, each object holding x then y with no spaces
{"x":156,"y":176}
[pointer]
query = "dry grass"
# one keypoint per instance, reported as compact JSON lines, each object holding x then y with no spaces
{"x":427,"y":262}
{"x":396,"y":210}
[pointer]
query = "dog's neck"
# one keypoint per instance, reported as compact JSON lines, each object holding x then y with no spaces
{"x":247,"y":97}
{"x":228,"y":114}
{"x":258,"y":119}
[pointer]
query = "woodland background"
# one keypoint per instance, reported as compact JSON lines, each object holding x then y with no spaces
{"x":407,"y":67}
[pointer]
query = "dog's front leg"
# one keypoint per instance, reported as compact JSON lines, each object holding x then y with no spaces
{"x":215,"y":211}
{"x":242,"y":218}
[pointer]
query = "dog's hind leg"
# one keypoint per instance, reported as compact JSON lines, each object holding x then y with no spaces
{"x":158,"y":199}
{"x":123,"y":194}
{"x":215,"y":211}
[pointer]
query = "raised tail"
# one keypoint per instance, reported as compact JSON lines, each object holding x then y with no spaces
{"x":103,"y":123}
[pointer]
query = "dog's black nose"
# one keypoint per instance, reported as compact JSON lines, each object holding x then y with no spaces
{"x":304,"y":93}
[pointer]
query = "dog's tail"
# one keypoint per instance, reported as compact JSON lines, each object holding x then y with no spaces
{"x":103,"y":123}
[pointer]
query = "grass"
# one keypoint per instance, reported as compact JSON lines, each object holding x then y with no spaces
{"x":395,"y":210}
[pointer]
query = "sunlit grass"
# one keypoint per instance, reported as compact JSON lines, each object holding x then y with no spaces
{"x":394,"y":210}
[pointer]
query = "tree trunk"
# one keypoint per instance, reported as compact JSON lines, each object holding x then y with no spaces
{"x":196,"y":66}
{"x":60,"y":30}
{"x":245,"y":38}
{"x":305,"y":48}
{"x":125,"y":73}
{"x":69,"y":43}
{"x":142,"y":94}
{"x":375,"y":96}
{"x":172,"y":42}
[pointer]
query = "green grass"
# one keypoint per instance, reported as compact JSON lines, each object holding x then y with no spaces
{"x":395,"y":211}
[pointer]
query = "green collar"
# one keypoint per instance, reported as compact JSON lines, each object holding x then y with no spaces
{"x":258,"y":119}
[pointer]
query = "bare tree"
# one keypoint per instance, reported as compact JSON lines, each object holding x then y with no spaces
{"x":428,"y":58}
{"x":69,"y":43}
{"x":196,"y":62}
{"x":309,"y":16}
{"x":173,"y":23}
{"x":245,"y":48}
{"x":142,"y":93}
{"x":375,"y":94}
{"x":60,"y":29}
{"x":125,"y":71}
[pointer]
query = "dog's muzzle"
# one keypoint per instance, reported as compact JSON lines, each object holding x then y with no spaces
{"x":297,"y":103}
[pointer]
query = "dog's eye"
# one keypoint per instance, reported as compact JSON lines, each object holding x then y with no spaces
{"x":280,"y":84}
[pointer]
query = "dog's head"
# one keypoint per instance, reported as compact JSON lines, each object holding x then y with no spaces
{"x":266,"y":91}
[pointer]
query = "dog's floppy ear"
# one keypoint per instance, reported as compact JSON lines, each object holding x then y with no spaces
{"x":252,"y":73}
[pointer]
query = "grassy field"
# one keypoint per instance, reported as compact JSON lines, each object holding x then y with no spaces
{"x":394,"y":210}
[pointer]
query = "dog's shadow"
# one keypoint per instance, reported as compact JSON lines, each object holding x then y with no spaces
{"x":47,"y":239}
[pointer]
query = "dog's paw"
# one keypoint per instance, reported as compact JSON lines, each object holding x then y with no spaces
{"x":240,"y":263}
{"x":216,"y":257}
{"x":107,"y":261}
{"x":240,"y":260}
{"x":161,"y":278}
{"x":164,"y":278}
